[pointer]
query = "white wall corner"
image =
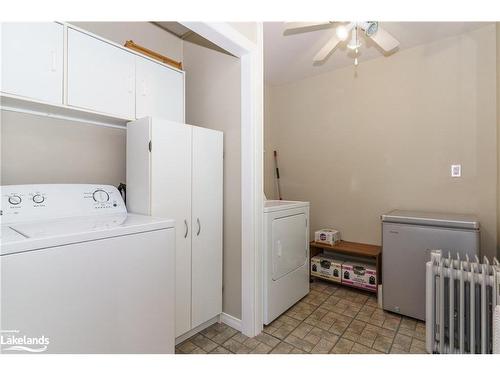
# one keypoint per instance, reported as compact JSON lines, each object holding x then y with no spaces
{"x":231,"y":321}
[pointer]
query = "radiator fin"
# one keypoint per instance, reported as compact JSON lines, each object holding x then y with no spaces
{"x":462,"y":297}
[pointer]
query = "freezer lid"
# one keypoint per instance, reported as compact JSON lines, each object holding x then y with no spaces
{"x":437,"y":219}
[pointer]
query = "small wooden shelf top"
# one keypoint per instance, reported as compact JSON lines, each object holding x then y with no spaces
{"x":352,"y":248}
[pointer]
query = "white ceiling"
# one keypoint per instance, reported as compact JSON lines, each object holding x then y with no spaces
{"x":289,"y":58}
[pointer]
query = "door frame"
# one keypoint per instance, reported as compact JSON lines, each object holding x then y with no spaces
{"x":250,"y":54}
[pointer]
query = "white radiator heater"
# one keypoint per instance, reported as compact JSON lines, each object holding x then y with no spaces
{"x":461,"y":299}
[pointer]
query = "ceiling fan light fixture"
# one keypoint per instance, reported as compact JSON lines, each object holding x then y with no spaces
{"x":348,"y":32}
{"x":371,"y":28}
{"x":342,"y":32}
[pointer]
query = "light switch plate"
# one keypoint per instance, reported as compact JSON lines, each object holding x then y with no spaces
{"x":456,"y":170}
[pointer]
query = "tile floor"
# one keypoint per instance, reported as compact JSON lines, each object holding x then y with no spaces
{"x":330,"y":319}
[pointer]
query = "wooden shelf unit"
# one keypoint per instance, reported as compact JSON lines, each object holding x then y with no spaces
{"x":372,"y":253}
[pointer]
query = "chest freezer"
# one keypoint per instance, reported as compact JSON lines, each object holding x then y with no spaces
{"x":407,"y":239}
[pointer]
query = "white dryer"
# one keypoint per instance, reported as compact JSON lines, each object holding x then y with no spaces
{"x":81,"y":275}
{"x":286,"y":256}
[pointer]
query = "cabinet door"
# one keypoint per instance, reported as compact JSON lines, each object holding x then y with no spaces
{"x":101,"y":76}
{"x":207,"y":225}
{"x":32,"y":60}
{"x":171,"y":198}
{"x":160,"y":91}
{"x":138,"y":166}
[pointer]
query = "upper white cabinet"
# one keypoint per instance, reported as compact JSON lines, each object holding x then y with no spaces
{"x":159,"y":91}
{"x":57,"y":68}
{"x":32,"y":60}
{"x":101,"y":76}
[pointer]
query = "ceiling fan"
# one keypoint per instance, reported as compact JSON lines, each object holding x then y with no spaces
{"x":352,"y":31}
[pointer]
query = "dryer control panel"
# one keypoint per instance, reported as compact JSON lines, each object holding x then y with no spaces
{"x":22,"y":203}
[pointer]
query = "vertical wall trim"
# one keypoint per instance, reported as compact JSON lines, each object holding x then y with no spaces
{"x":498,"y":133}
{"x":250,"y":53}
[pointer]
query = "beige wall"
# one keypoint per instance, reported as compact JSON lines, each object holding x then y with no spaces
{"x":269,"y":176}
{"x":144,"y":33}
{"x":498,"y":133}
{"x":213,"y":101}
{"x":38,"y":150}
{"x":359,"y":146}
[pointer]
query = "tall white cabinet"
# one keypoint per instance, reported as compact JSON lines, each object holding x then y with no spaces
{"x":176,"y":170}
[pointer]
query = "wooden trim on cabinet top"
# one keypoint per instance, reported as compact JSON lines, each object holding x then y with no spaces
{"x":152,"y":54}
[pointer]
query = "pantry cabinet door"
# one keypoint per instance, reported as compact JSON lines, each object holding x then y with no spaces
{"x":171,"y":192}
{"x":101,"y":76}
{"x":32,"y":60}
{"x":207,"y":192}
{"x":160,"y":91}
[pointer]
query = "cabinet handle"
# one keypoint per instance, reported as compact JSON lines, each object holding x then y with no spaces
{"x":53,"y":56}
{"x":131,"y":84}
{"x":143,"y":88}
{"x":199,"y":226}
{"x":187,"y":230}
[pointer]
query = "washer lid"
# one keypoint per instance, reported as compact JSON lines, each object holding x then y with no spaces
{"x":432,"y":219}
{"x":8,"y":234}
{"x":276,"y":205}
{"x":59,"y":232}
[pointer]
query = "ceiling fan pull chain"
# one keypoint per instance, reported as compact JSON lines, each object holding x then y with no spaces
{"x":356,"y":50}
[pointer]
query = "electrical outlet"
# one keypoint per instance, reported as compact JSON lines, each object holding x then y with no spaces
{"x":456,"y":170}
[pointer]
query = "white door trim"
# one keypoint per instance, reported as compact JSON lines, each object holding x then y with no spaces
{"x":250,"y":53}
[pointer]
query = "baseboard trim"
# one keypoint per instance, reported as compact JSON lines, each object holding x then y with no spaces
{"x":231,"y":321}
{"x":195,"y":330}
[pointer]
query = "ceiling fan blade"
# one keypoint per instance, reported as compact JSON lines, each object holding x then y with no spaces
{"x":385,"y":40}
{"x":303,"y":27}
{"x":327,"y":49}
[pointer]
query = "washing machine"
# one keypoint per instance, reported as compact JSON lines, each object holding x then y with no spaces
{"x":81,"y":275}
{"x":286,"y":256}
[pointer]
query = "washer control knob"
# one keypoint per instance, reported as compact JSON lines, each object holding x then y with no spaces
{"x":38,"y":198}
{"x":100,"y":196}
{"x":15,"y":199}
